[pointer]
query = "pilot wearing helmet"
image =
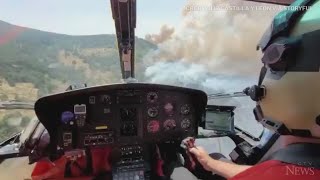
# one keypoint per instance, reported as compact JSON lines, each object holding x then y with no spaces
{"x":288,"y":99}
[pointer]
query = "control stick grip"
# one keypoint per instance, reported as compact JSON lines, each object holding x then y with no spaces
{"x":191,"y":161}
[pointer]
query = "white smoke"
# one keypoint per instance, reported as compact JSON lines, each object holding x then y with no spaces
{"x":196,"y":76}
{"x":213,"y":50}
{"x":223,"y":41}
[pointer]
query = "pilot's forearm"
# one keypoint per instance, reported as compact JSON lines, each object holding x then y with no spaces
{"x":226,"y":169}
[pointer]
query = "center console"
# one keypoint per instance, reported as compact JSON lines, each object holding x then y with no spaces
{"x":132,"y":164}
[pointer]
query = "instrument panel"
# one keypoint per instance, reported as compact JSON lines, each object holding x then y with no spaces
{"x":121,"y":114}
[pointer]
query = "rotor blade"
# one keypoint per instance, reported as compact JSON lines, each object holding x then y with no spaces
{"x":124,"y":15}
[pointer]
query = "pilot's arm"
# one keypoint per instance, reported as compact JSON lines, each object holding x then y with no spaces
{"x":224,"y":169}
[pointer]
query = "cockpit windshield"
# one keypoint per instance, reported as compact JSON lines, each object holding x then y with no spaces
{"x":203,"y":44}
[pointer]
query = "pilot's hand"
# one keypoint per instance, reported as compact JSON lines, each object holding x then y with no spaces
{"x":202,"y":156}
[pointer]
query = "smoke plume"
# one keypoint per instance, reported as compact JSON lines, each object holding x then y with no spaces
{"x":214,"y":50}
{"x":222,"y":40}
{"x":164,"y":35}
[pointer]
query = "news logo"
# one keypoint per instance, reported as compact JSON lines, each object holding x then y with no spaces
{"x":303,"y":169}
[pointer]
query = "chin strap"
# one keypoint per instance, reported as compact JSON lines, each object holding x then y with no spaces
{"x":262,"y":75}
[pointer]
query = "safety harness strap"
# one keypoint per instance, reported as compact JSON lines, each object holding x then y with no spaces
{"x":300,"y":154}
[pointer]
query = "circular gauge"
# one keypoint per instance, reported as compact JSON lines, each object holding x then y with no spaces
{"x":169,"y":124}
{"x":67,"y":117}
{"x":185,"y":123}
{"x":185,"y":109}
{"x":168,"y":108}
{"x":153,"y":126}
{"x":128,"y":114}
{"x":105,"y":99}
{"x":153,"y":112}
{"x":152,"y":97}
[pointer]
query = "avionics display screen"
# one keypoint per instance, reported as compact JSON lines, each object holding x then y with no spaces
{"x":219,"y":121}
{"x":80,"y":109}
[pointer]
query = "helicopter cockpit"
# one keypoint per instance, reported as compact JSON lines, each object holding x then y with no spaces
{"x":126,"y":130}
{"x":131,"y":130}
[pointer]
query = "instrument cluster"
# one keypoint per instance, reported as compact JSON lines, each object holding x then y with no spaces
{"x":121,"y":114}
{"x":168,"y":114}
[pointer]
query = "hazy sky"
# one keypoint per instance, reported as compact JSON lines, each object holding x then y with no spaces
{"x":82,"y":17}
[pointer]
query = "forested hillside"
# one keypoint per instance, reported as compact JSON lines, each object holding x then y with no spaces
{"x":34,"y":63}
{"x":50,"y":60}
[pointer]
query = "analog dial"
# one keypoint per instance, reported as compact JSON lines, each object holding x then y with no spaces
{"x":169,"y":124}
{"x":153,"y":126}
{"x":153,"y":112}
{"x":185,"y":109}
{"x":128,"y":114}
{"x":152,"y":97}
{"x":105,"y":99}
{"x":185,"y":123}
{"x":169,"y":109}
